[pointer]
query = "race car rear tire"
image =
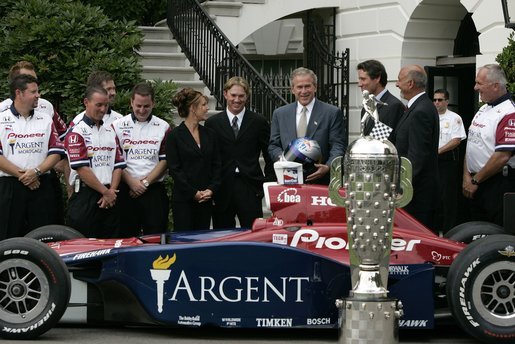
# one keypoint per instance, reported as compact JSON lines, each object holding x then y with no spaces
{"x":471,"y":231}
{"x":52,"y":233}
{"x":34,"y":288}
{"x":481,"y":289}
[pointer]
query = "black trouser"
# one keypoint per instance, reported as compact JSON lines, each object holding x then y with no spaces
{"x":191,"y":215}
{"x":448,"y":191}
{"x":59,"y":194}
{"x":488,"y":201}
{"x":85,"y":215}
{"x":241,"y":200}
{"x":146,"y":214}
{"x":22,"y":209}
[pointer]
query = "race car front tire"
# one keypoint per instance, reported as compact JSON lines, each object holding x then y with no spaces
{"x":52,"y":233}
{"x":481,"y":289}
{"x":471,"y":231}
{"x":34,"y":288}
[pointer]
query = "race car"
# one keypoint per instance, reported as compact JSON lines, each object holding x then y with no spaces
{"x":287,"y":271}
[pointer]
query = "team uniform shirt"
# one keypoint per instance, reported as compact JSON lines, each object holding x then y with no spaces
{"x":142,"y":143}
{"x":492,"y":129}
{"x":44,"y":107}
{"x":27,"y":142}
{"x":108,"y":119}
{"x":94,"y":147}
{"x":451,"y":127}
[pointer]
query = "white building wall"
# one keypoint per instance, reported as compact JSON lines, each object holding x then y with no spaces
{"x":396,"y":32}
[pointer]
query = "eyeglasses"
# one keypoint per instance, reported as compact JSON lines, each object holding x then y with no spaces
{"x":439,"y":99}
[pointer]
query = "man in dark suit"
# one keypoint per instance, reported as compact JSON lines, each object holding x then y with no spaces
{"x":372,"y":77}
{"x":416,"y":138}
{"x":323,"y":123}
{"x":242,"y":138}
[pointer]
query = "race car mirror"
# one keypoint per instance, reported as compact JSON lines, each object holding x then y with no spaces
{"x":370,"y":173}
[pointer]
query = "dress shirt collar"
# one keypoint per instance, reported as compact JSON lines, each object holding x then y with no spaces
{"x":381,"y":94}
{"x":231,"y":115}
{"x":309,"y":107}
{"x":412,"y":100}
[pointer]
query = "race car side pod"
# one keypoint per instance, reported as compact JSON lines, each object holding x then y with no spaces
{"x":370,"y":195}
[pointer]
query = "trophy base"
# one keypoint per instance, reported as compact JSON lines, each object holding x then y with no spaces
{"x":370,"y":321}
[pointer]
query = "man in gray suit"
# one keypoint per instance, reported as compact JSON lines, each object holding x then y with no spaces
{"x":311,"y":118}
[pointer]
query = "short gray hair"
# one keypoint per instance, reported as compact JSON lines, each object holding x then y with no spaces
{"x":419,"y":78}
{"x":494,"y":73}
{"x":303,"y":71}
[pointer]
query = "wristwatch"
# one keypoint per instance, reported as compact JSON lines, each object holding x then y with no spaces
{"x":38,"y":172}
{"x":474,"y":181}
{"x":145,"y":183}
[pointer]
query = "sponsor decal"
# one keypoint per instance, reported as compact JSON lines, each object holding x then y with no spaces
{"x":96,"y":149}
{"x":274,"y":322}
{"x":239,"y":288}
{"x":511,"y":122}
{"x":289,"y":196}
{"x":463,"y":301}
{"x":257,"y":289}
{"x":281,"y":239}
{"x":73,"y":139}
{"x":413,"y":323}
{"x":398,"y":270}
{"x":290,"y":176}
{"x":509,"y":251}
{"x":318,"y":321}
{"x":322,"y":200}
{"x":92,"y":254}
{"x":278,"y":222}
{"x":33,"y":326}
{"x":160,"y":273}
{"x":189,"y":320}
{"x":231,"y":321}
{"x":337,"y":243}
{"x":437,"y":257}
{"x":139,"y":142}
{"x":24,"y":136}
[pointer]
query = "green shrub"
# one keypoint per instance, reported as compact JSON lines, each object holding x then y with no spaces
{"x":163,"y":90}
{"x":144,"y":12}
{"x":66,"y":40}
{"x":506,"y":60}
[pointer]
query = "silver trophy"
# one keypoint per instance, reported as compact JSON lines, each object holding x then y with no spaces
{"x":370,"y":174}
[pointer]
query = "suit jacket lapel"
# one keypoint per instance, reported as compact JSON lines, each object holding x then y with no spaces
{"x":226,"y":125}
{"x":189,"y":140}
{"x":245,"y":124}
{"x":314,"y":120}
{"x":408,"y":111}
{"x":291,"y":123}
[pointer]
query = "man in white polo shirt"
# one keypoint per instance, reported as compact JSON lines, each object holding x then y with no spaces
{"x":489,"y":169}
{"x":93,"y":152}
{"x":142,"y":199}
{"x":29,"y":149}
{"x":452,"y":132}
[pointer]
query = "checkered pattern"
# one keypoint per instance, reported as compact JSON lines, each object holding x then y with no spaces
{"x":360,"y":329}
{"x":380,"y":131}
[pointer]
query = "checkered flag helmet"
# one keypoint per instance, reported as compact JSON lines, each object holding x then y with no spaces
{"x":380,"y":131}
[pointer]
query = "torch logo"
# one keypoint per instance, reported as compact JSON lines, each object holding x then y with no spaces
{"x":161,"y":274}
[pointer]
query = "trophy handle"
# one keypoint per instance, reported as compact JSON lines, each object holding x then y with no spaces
{"x":401,"y":200}
{"x":337,"y":182}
